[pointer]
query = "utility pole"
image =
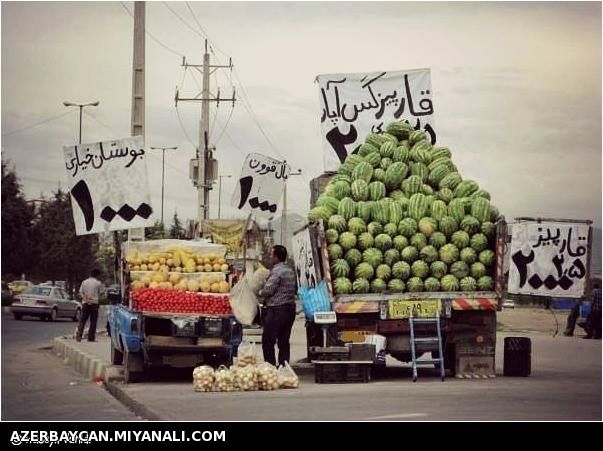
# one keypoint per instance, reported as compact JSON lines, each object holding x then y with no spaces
{"x":204,"y":168}
{"x":163,"y":176}
{"x":284,"y":226}
{"x":220,"y":193}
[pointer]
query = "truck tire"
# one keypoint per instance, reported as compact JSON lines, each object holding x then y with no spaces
{"x":450,"y":359}
{"x":132,"y":364}
{"x":117,"y":357}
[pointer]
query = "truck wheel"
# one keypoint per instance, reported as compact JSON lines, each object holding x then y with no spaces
{"x":132,"y":364}
{"x":117,"y":357}
{"x":450,"y":359}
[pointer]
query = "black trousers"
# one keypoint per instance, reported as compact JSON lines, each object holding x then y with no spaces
{"x":572,"y":318}
{"x":593,"y":324}
{"x":277,"y":322}
{"x":88,"y":311}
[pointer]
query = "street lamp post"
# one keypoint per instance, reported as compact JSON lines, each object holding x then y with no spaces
{"x":163,"y":149}
{"x":284,"y":214}
{"x":220,"y":192}
{"x":81,"y":107}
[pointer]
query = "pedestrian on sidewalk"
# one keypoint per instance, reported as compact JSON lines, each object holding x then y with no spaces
{"x":90,"y":291}
{"x":278,"y":315}
{"x":572,"y":318}
{"x":593,"y":321}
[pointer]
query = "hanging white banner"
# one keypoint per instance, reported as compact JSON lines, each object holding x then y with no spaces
{"x":354,"y":105}
{"x":303,"y":258}
{"x":261,"y":185}
{"x":109,"y":185}
{"x":549,"y":259}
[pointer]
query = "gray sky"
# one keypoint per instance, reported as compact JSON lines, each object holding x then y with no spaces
{"x":517,"y":89}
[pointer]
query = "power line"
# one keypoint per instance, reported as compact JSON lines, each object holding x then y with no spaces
{"x":184,"y":129}
{"x":182,"y":20}
{"x":50,"y":119}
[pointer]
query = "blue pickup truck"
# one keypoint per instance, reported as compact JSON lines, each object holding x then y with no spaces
{"x":143,"y":340}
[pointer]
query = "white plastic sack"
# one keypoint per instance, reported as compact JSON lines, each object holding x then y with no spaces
{"x":203,"y":378}
{"x":244,"y":302}
{"x":247,"y":355}
{"x":258,"y":279}
{"x":287,"y":377}
{"x":267,"y":377}
{"x":224,"y":380}
{"x":245,"y":378}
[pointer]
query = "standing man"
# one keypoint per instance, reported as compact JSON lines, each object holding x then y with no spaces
{"x":90,"y":290}
{"x":279,"y":307}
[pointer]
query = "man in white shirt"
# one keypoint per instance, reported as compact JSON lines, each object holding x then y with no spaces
{"x":90,"y":290}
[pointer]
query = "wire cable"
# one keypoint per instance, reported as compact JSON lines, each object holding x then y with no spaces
{"x":45,"y":121}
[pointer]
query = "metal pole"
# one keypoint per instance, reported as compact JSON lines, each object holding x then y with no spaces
{"x":162,"y":185}
{"x":202,"y":188}
{"x":220,"y":197}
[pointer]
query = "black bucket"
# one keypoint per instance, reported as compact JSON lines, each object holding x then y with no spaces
{"x":517,"y":357}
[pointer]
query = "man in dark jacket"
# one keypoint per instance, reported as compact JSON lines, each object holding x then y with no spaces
{"x":279,"y":307}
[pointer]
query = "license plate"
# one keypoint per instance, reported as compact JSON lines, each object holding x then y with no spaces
{"x":399,"y":309}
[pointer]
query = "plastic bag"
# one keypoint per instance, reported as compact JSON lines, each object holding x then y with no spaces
{"x":245,"y":378}
{"x":223,"y":380}
{"x":244,"y":302}
{"x":315,"y":300}
{"x":246,"y":355}
{"x":287,"y":377}
{"x":203,"y":378}
{"x":258,"y":279}
{"x":267,"y":376}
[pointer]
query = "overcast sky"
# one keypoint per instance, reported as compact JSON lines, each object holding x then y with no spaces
{"x":516,"y":89}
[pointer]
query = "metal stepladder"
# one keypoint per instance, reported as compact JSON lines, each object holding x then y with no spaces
{"x":435,"y":321}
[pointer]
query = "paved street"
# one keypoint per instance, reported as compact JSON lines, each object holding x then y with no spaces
{"x":36,"y":385}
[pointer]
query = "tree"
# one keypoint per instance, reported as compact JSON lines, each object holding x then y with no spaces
{"x":62,"y":255}
{"x":17,"y":216}
{"x":177,"y":231}
{"x":156,"y":232}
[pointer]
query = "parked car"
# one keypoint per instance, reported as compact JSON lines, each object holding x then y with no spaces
{"x":7,"y":295}
{"x":47,"y":303}
{"x":17,"y":286}
{"x":508,"y":303}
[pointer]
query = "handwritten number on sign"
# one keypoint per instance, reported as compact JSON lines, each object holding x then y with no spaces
{"x":81,"y":194}
{"x":246,"y":184}
{"x":338,"y":141}
{"x":521,"y":262}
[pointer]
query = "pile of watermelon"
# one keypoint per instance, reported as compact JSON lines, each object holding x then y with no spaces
{"x":399,"y":217}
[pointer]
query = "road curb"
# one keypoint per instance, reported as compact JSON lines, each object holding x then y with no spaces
{"x":116,"y":390}
{"x":86,"y":364}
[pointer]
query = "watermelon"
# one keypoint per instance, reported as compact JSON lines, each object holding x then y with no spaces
{"x":418,"y":240}
{"x":494,"y":213}
{"x":437,"y":174}
{"x":409,"y":254}
{"x":442,"y":162}
{"x":400,"y":242}
{"x":342,"y":178}
{"x":412,"y":185}
{"x":378,"y":286}
{"x":378,"y":175}
{"x":478,"y":270}
{"x":408,"y":227}
{"x":375,"y":228}
{"x":465,"y":188}
{"x":366,"y":148}
{"x":445,"y":195}
{"x":479,"y":242}
{"x":468,"y":284}
{"x":440,"y":152}
{"x":360,"y":190}
{"x":468,"y":255}
{"x":380,"y":212}
{"x":356,"y":226}
{"x":383,"y":241}
{"x":387,"y":149}
{"x":376,"y":190}
{"x":401,"y":154}
{"x":427,"y":190}
{"x":332,"y":236}
{"x":399,"y":129}
{"x":389,"y":137}
{"x":485,"y":283}
{"x":318,"y":213}
{"x":373,"y":257}
{"x":438,"y":269}
{"x":396,"y":213}
{"x":470,"y":225}
{"x":420,"y":170}
{"x":335,"y":251}
{"x":363,"y":210}
{"x":397,"y":195}
{"x":374,"y":139}
{"x":489,"y":229}
{"x":347,"y":240}
{"x":415,"y":285}
{"x":383,"y":272}
{"x":432,"y":284}
{"x":353,"y":257}
{"x":449,"y":283}
{"x":417,"y":206}
{"x":404,"y":202}
{"x":437,"y":239}
{"x":347,"y":208}
{"x":391,"y":256}
{"x":374,"y":159}
{"x":427,"y":226}
{"x":385,"y":163}
{"x":451,"y":181}
{"x":487,"y":257}
{"x":354,"y":159}
{"x":364,"y":271}
{"x":420,"y":269}
{"x":362,"y":171}
{"x":459,"y":269}
{"x":345,"y":169}
{"x":429,"y":254}
{"x":456,"y":209}
{"x":340,"y":268}
{"x":449,"y":253}
{"x":460,"y":239}
{"x":438,"y":210}
{"x":338,"y":223}
{"x":339,"y":189}
{"x":421,"y":152}
{"x":365,"y":240}
{"x":396,"y":286}
{"x":394,"y":175}
{"x":342,"y":285}
{"x":481,"y":193}
{"x":466,"y":202}
{"x":361,"y":285}
{"x":416,"y":136}
{"x":401,"y":270}
{"x":448,"y":225}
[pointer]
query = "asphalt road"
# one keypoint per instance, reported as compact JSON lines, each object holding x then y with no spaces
{"x":36,"y":385}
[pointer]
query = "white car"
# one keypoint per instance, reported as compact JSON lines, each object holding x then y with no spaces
{"x":508,"y":303}
{"x":45,"y":302}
